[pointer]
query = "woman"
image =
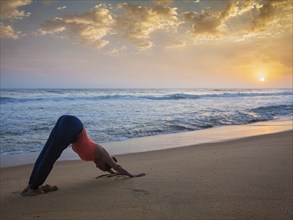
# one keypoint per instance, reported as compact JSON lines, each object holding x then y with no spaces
{"x":69,"y":130}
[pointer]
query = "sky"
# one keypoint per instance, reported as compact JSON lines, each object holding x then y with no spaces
{"x":146,"y":44}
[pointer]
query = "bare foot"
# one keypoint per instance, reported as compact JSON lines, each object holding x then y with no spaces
{"x":33,"y":192}
{"x":48,"y":188}
{"x":25,"y":189}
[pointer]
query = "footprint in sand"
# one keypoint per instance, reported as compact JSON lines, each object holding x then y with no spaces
{"x":140,"y":192}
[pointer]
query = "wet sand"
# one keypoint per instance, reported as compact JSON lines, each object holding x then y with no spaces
{"x":166,"y":141}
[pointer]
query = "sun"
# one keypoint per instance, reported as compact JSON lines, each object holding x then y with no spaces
{"x":261,"y":74}
{"x":262,"y":79}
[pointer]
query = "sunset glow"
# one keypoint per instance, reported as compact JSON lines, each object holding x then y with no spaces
{"x":134,"y":44}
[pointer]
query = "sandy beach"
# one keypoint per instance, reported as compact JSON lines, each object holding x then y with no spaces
{"x":248,"y":178}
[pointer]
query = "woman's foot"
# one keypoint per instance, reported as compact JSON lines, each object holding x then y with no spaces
{"x":32,"y":192}
{"x":25,"y":189}
{"x":48,"y":188}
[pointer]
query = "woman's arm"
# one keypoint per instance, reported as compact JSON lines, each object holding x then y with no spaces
{"x":115,"y":166}
{"x":102,"y":157}
{"x":109,"y":160}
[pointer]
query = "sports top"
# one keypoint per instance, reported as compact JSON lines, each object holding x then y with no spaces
{"x":84,"y":147}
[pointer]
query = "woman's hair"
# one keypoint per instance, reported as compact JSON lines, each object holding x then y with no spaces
{"x":107,"y":166}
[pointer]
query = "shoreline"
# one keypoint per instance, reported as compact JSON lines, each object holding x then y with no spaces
{"x":167,"y":141}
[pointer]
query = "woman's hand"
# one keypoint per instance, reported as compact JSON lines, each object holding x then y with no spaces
{"x":138,"y":175}
{"x":118,"y":174}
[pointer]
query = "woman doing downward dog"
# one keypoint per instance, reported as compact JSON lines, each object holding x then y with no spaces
{"x":70,"y":130}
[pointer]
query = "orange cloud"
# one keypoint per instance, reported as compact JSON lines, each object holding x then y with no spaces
{"x":89,"y":27}
{"x":7,"y":31}
{"x":137,"y":22}
{"x":264,"y":15}
{"x":211,"y":22}
{"x":273,"y":12}
{"x":10,"y":11}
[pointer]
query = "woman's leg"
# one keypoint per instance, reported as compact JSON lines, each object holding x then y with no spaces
{"x":64,"y":133}
{"x":47,"y":145}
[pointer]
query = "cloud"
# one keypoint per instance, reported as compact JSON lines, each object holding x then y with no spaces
{"x":164,"y":3}
{"x":273,"y":12}
{"x":8,"y":12}
{"x":211,"y":22}
{"x":264,"y":15}
{"x":203,"y":23}
{"x":9,"y":9}
{"x":135,"y":23}
{"x":145,"y":25}
{"x":175,"y":44}
{"x":89,"y":27}
{"x":117,"y":50}
{"x":61,"y":7}
{"x":138,"y":22}
{"x":7,"y":31}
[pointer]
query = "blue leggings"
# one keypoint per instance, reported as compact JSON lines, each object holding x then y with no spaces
{"x":65,"y":132}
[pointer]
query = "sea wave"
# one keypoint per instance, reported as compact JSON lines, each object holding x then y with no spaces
{"x":27,"y":116}
{"x":216,"y":95}
{"x":273,"y":110}
{"x":194,"y":122}
{"x":175,"y":96}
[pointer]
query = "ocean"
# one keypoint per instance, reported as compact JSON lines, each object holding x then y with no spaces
{"x":28,"y":115}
